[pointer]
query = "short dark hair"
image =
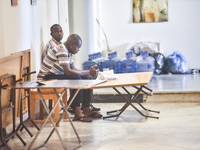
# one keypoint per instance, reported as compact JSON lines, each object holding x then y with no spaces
{"x":52,"y":27}
{"x":74,"y":37}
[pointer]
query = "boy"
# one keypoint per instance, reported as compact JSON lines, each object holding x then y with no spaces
{"x":58,"y":64}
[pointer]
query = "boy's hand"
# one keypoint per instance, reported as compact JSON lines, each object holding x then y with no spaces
{"x":94,"y":70}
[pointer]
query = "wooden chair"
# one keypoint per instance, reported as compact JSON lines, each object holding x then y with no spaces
{"x":7,"y":109}
{"x":25,"y":102}
{"x":50,"y":95}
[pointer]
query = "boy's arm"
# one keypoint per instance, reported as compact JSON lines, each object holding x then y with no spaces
{"x":72,"y":70}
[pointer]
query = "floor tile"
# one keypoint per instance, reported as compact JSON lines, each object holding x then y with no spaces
{"x":177,"y":128}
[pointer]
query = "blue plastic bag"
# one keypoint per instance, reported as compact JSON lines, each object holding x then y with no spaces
{"x":176,"y":64}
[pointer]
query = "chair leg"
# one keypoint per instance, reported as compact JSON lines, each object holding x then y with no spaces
{"x":50,"y":104}
{"x":65,"y":102}
{"x":41,"y":111}
{"x":56,"y":111}
{"x":32,"y":109}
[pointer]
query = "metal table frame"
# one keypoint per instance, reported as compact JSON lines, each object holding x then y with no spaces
{"x":135,"y":80}
{"x":66,"y":84}
{"x":129,"y":102}
{"x":49,"y":113}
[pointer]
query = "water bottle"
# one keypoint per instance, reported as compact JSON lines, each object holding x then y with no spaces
{"x":89,"y":63}
{"x":144,"y":62}
{"x":112,"y":63}
{"x":129,"y":63}
{"x":99,"y":60}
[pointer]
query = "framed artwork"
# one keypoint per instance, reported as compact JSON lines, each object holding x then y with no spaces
{"x":14,"y":2}
{"x":150,"y":11}
{"x":33,"y":2}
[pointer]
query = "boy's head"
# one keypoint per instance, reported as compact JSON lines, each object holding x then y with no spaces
{"x":73,"y":43}
{"x":56,"y":32}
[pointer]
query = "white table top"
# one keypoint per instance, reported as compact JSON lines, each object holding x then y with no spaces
{"x":69,"y":84}
{"x":127,"y":79}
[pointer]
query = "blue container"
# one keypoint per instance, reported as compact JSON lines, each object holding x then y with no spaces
{"x":99,"y":60}
{"x":93,"y":59}
{"x":91,"y":62}
{"x":99,"y":57}
{"x":129,"y":64}
{"x":112,"y":63}
{"x":144,"y":62}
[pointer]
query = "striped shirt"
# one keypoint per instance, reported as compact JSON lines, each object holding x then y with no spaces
{"x":50,"y":45}
{"x":52,"y":62}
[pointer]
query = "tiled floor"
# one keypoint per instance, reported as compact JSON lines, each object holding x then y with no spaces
{"x":176,"y":83}
{"x":177,"y":128}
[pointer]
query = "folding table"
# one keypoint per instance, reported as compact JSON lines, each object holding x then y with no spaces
{"x":55,"y":84}
{"x":137,"y":81}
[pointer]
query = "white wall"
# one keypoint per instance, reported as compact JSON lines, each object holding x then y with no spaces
{"x":81,"y":23}
{"x":28,"y":27}
{"x":181,"y":32}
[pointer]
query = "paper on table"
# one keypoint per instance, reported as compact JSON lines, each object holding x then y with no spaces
{"x":106,"y":75}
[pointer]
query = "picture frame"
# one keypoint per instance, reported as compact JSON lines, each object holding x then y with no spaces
{"x":33,"y":2}
{"x":148,"y":11}
{"x":14,"y":2}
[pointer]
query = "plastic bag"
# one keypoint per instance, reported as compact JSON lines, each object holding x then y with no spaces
{"x":159,"y":62}
{"x":176,"y":64}
{"x":151,"y":47}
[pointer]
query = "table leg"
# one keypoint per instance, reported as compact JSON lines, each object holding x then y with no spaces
{"x":48,"y":117}
{"x":140,"y":103}
{"x":148,"y":92}
{"x":65,"y":110}
{"x":130,"y":102}
{"x":54,"y":126}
